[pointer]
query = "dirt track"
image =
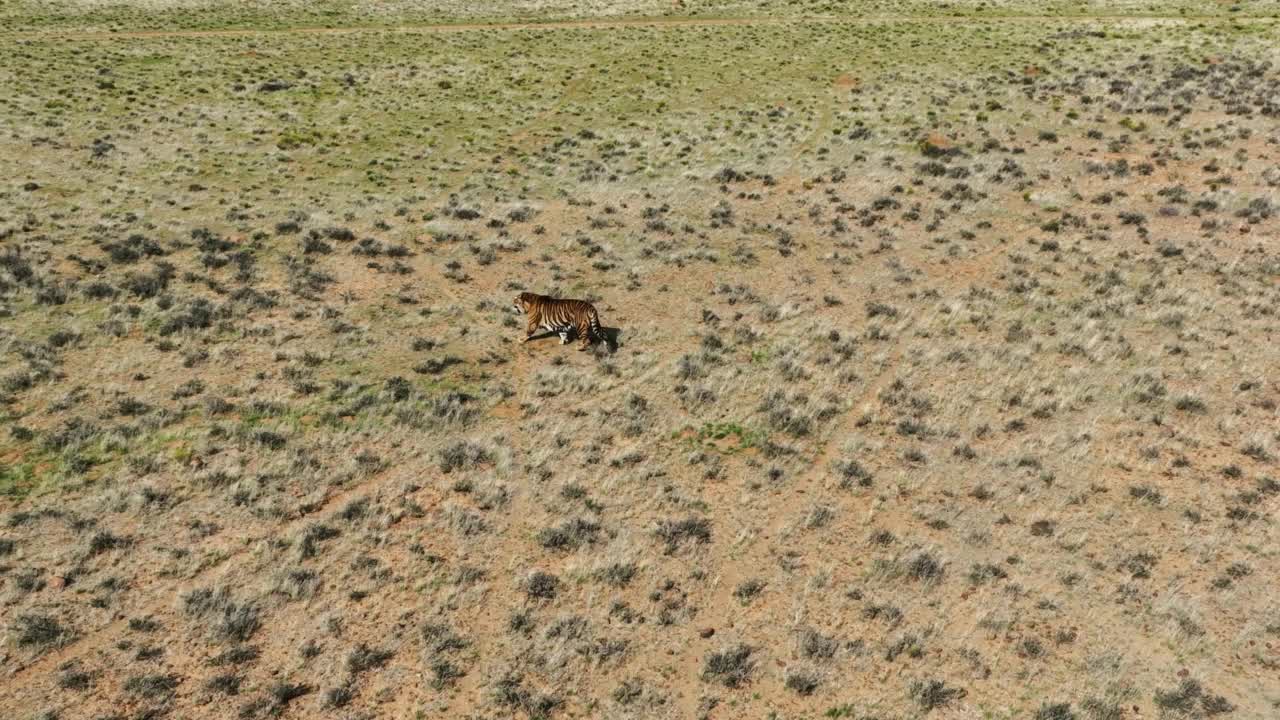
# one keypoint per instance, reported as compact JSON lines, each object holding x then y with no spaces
{"x":659,"y":23}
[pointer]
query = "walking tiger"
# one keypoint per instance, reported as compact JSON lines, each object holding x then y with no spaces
{"x":560,"y":316}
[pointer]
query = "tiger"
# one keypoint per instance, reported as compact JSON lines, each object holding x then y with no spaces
{"x":560,"y":316}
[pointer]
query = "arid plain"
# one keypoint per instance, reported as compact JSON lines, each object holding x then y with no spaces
{"x":942,"y":374}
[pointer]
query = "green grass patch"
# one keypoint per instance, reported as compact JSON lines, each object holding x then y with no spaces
{"x":17,"y":481}
{"x":715,"y":435}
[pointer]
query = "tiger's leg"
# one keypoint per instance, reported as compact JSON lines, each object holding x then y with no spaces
{"x":531,"y":326}
{"x":584,"y":334}
{"x":564,"y":336}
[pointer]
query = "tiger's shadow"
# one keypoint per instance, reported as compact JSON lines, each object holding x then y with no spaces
{"x":609,"y":336}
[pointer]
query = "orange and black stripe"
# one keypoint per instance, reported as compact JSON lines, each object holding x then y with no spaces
{"x":560,"y":316}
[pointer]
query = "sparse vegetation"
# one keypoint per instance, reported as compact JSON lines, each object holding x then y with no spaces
{"x":938,"y":358}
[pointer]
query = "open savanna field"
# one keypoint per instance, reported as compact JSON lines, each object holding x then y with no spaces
{"x":940,"y":379}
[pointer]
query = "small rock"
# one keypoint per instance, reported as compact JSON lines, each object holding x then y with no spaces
{"x":706,"y":632}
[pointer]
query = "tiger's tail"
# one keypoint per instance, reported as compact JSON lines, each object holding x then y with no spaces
{"x":594,"y":320}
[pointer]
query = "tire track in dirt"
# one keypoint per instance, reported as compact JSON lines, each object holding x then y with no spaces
{"x":597,"y":24}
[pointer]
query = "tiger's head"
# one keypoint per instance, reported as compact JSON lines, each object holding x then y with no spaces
{"x":522,"y":302}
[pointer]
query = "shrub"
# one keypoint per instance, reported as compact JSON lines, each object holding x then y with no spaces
{"x":1190,"y":695}
{"x":802,"y":681}
{"x":75,"y":680}
{"x":152,"y":686}
{"x":228,"y":619}
{"x":542,"y":586}
{"x":364,"y":658}
{"x":816,"y":646}
{"x":924,"y":568}
{"x":730,"y":666}
{"x":313,"y":536}
{"x":747,"y":590}
{"x":103,"y":541}
{"x":569,"y":535}
{"x":509,"y":692}
{"x":1055,"y":711}
{"x":932,"y":694}
{"x":40,"y":631}
{"x":340,"y":696}
{"x":679,"y":532}
{"x":462,"y":455}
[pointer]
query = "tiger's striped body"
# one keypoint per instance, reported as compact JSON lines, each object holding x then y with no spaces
{"x":559,"y":316}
